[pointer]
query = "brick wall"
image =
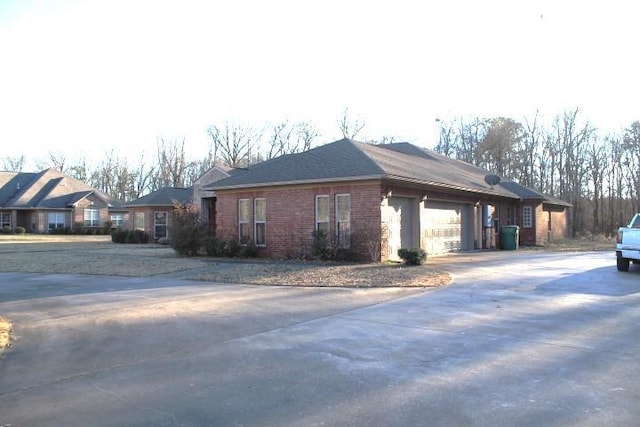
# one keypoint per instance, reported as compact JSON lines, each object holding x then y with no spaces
{"x":291,"y":215}
{"x":559,"y":224}
{"x":94,"y":203}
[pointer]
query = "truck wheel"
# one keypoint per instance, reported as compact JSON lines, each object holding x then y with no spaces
{"x":622,"y":264}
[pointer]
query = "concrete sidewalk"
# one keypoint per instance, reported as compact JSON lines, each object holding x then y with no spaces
{"x":545,"y":339}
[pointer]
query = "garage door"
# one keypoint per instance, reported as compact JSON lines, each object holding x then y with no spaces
{"x":443,"y":227}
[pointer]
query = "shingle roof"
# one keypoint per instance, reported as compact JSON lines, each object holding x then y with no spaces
{"x":47,"y":189}
{"x":346,"y":159}
{"x":528,"y":193}
{"x":164,"y":197}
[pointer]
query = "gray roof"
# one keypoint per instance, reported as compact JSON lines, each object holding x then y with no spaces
{"x":49,"y":189}
{"x":528,"y":193}
{"x":166,"y":196}
{"x":350,"y":160}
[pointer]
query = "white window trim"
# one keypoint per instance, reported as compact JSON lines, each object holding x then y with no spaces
{"x":117,"y":220}
{"x":3,"y":221}
{"x":256,"y":221}
{"x":322,"y":220}
{"x":139,"y":221}
{"x":527,"y":217}
{"x":240,"y":221}
{"x":345,"y":239}
{"x":89,"y":217}
{"x":155,"y":224}
{"x":56,"y":215}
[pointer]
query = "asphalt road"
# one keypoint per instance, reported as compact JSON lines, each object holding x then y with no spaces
{"x":518,"y":339}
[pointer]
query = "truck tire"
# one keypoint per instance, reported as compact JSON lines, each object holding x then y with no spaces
{"x":622,"y":264}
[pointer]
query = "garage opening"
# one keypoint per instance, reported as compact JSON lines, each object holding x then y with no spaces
{"x":442,"y":227}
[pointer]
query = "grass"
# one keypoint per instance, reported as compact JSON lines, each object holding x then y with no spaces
{"x":96,"y":255}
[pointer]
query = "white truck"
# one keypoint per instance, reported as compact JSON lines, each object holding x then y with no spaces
{"x":628,"y":244}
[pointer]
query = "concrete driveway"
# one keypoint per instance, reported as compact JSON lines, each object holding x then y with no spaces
{"x":519,"y":339}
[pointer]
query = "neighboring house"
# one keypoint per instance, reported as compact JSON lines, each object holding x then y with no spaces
{"x":152,"y":213}
{"x":374,"y":200}
{"x":48,"y":200}
{"x":204,"y":198}
{"x":542,"y":218}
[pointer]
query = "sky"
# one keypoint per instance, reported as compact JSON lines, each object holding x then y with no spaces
{"x":85,"y":77}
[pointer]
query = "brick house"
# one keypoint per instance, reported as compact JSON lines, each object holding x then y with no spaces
{"x":48,"y":200}
{"x":374,"y":200}
{"x":152,"y":213}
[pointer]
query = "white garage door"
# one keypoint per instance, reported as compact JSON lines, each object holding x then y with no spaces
{"x":443,"y":227}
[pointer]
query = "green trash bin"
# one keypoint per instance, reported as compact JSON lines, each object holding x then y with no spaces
{"x":509,"y":236}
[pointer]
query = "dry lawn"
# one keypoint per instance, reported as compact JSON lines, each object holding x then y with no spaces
{"x":5,"y":333}
{"x":97,"y":255}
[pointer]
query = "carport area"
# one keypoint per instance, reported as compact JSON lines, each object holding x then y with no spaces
{"x":519,"y":338}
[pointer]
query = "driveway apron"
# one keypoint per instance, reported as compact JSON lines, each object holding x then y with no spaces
{"x":520,"y":338}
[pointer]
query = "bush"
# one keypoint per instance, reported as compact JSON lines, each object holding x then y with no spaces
{"x":60,"y":230}
{"x":412,"y":256}
{"x":20,"y":230}
{"x":6,"y":229}
{"x":214,"y":247}
{"x":321,"y":245}
{"x":128,"y":236}
{"x":187,"y":231}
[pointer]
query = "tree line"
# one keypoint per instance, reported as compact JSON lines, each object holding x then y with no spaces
{"x":566,"y":158}
{"x":231,"y":144}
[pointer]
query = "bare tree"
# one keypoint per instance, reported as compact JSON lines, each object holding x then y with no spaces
{"x":233,"y":144}
{"x":172,"y":164}
{"x":529,"y":152}
{"x":56,"y":160}
{"x":448,"y":140}
{"x":350,"y":129}
{"x":280,"y":141}
{"x":306,"y":133}
{"x":13,"y":164}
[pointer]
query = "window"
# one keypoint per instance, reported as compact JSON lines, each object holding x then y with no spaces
{"x":244,"y":213}
{"x":260,"y":219}
{"x":527,"y":217}
{"x":117,"y":220}
{"x":159,"y":225}
{"x":55,"y":220}
{"x":91,"y":217}
{"x":5,"y":219}
{"x":322,"y":214}
{"x":343,"y":220}
{"x":138,"y":221}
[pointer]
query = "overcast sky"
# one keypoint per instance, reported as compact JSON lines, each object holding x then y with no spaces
{"x":83,"y":77}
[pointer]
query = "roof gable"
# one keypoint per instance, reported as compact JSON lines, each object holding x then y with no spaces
{"x":47,"y":189}
{"x":342,"y":159}
{"x":346,"y":159}
{"x":166,"y":196}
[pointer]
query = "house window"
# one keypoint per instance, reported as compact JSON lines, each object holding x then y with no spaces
{"x":117,"y":220}
{"x":91,"y":217}
{"x":527,"y":217}
{"x":343,"y":220}
{"x":138,"y":221}
{"x":260,"y":219}
{"x":244,"y":221}
{"x":55,"y":220}
{"x":5,"y":219}
{"x":159,"y":225}
{"x":322,"y":214}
